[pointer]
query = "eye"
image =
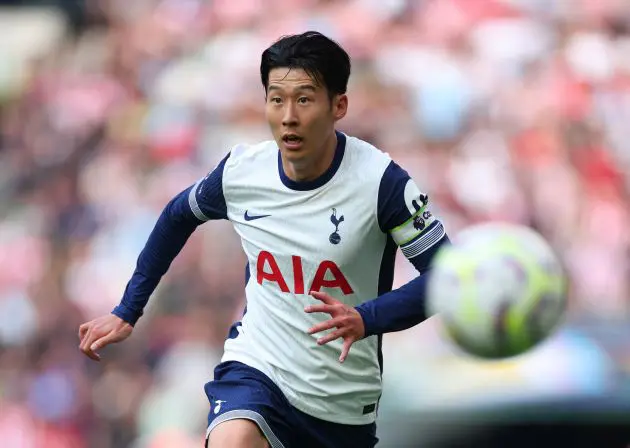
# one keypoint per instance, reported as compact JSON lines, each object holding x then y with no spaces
{"x":275,"y":100}
{"x":303,"y":100}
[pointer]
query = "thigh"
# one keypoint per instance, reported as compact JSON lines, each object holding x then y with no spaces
{"x":323,"y":434}
{"x":240,"y":392}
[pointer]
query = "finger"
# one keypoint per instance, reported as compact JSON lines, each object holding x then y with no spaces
{"x":327,"y":325}
{"x":85,"y":346}
{"x":324,"y":297}
{"x":109,"y":338}
{"x":332,"y":336}
{"x":85,"y":338}
{"x":90,"y":353}
{"x":83,"y":329}
{"x":347,"y":343}
{"x":330,"y":309}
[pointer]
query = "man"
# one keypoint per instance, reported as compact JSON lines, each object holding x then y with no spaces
{"x":320,"y":215}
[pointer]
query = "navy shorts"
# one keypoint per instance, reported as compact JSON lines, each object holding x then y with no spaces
{"x":242,"y":392}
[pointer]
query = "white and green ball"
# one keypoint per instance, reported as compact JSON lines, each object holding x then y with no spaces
{"x":499,"y":290}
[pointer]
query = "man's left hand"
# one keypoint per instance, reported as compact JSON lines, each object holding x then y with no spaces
{"x":347,"y":321}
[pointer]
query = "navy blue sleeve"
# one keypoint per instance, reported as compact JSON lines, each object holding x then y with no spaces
{"x":404,"y":213}
{"x":396,"y":310}
{"x":179,"y":219}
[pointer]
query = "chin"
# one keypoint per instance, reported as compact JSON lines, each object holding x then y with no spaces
{"x":293,"y":153}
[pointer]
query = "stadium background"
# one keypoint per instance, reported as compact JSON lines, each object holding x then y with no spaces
{"x":500,"y":109}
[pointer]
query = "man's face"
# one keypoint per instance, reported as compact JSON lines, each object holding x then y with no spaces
{"x":301,"y":114}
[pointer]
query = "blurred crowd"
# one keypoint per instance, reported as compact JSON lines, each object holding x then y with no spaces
{"x":500,"y":109}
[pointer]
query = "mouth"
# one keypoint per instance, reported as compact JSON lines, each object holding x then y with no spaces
{"x":292,"y":141}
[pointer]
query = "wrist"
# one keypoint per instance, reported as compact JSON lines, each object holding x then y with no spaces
{"x":127,"y":314}
{"x":368,"y":321}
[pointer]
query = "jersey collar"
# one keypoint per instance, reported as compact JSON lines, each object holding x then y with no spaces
{"x":321,"y":180}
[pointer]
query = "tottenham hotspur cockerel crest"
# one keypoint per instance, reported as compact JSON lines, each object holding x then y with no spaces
{"x":334,"y":237}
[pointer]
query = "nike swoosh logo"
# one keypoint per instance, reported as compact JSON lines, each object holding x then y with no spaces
{"x":249,"y":217}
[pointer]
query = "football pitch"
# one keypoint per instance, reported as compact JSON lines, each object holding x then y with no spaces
{"x":593,"y":414}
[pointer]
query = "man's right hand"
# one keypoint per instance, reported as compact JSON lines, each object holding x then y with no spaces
{"x":101,"y":332}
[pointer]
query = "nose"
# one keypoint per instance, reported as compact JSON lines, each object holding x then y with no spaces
{"x":290,"y":118}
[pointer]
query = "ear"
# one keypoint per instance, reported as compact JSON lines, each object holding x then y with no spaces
{"x":340,"y":106}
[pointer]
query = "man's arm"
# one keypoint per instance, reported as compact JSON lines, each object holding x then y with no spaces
{"x":179,"y":219}
{"x":405,"y":215}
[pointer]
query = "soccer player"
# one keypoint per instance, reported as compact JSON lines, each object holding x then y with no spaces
{"x":320,"y":215}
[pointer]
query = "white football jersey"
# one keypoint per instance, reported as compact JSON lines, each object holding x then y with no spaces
{"x":337,"y":234}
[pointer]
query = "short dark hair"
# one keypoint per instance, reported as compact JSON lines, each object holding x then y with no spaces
{"x":321,"y":57}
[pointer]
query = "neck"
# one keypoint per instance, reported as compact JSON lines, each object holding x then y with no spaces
{"x":312,"y":168}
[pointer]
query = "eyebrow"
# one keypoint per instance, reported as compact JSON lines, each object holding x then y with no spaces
{"x":296,"y":89}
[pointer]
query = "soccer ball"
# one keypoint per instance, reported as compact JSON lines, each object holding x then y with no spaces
{"x":499,"y":290}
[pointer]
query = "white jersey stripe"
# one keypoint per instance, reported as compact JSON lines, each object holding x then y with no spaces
{"x":192,"y":201}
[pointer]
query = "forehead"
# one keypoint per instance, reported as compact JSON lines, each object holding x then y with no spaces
{"x":284,"y":77}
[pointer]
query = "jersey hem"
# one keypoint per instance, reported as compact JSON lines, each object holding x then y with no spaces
{"x":332,"y":418}
{"x":299,"y":405}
